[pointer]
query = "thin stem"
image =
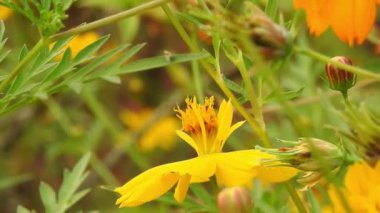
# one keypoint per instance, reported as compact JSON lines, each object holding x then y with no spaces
{"x":326,"y":59}
{"x":108,"y":20}
{"x":197,"y":77}
{"x":252,"y":96}
{"x":60,"y":115}
{"x":315,"y":99}
{"x":197,"y":80}
{"x":103,"y":171}
{"x":112,"y":125}
{"x":180,"y":30}
{"x":345,"y":95}
{"x":296,"y":199}
{"x":66,"y":124}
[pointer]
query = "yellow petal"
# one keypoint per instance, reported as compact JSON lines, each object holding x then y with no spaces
{"x":200,"y":168}
{"x":189,"y":140}
{"x":225,"y":114}
{"x":154,"y":182}
{"x":148,"y":190}
{"x":353,"y":19}
{"x":360,"y":179}
{"x":237,"y":168}
{"x":147,"y":186}
{"x":182,"y":187}
{"x":276,"y":174}
{"x":232,"y":129}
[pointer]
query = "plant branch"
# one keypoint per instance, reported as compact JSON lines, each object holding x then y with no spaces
{"x":108,"y":20}
{"x":77,"y":30}
{"x":326,"y":59}
{"x":297,"y":201}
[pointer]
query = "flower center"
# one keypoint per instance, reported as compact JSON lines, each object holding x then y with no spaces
{"x":198,"y":116}
{"x":200,"y":122}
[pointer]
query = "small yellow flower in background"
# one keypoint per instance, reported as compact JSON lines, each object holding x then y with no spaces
{"x":351,"y":20}
{"x":205,"y":131}
{"x":153,"y":136}
{"x":79,"y":42}
{"x":5,"y":12}
{"x":361,"y":190}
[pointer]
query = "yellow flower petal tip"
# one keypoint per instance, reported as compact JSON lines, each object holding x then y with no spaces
{"x":351,"y":20}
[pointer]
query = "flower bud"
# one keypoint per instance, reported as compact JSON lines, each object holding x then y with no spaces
{"x":270,"y":38}
{"x":313,"y":152}
{"x":309,"y":154}
{"x":313,"y":157}
{"x":340,"y":79}
{"x":235,"y":200}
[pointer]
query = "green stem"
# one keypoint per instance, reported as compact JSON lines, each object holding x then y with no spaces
{"x":252,"y":96}
{"x":66,"y":124}
{"x":31,"y":54}
{"x":101,"y":113}
{"x":297,"y":201}
{"x":112,"y":126}
{"x":103,"y":171}
{"x":217,"y":77}
{"x":197,"y":76}
{"x":59,"y":114}
{"x":326,"y":59}
{"x":197,"y":80}
{"x":180,"y":30}
{"x":110,"y":19}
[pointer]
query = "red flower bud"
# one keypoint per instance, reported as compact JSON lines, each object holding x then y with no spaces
{"x":340,"y":79}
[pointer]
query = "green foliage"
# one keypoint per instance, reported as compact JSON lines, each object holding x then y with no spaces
{"x":45,"y":74}
{"x":47,"y":15}
{"x":245,"y":55}
{"x":68,"y":193}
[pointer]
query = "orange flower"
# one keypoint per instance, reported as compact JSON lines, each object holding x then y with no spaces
{"x":351,"y":20}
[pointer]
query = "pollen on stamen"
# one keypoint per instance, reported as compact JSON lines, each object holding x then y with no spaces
{"x":190,"y":122}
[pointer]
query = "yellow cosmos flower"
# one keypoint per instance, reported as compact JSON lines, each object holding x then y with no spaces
{"x":206,"y":131}
{"x":152,"y":137}
{"x":351,"y":20}
{"x":361,"y":190}
{"x":5,"y":12}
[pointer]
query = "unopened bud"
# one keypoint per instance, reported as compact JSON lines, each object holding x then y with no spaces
{"x":313,"y":152}
{"x":309,"y":154}
{"x":340,"y":79}
{"x":271,"y":39}
{"x":235,"y":200}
